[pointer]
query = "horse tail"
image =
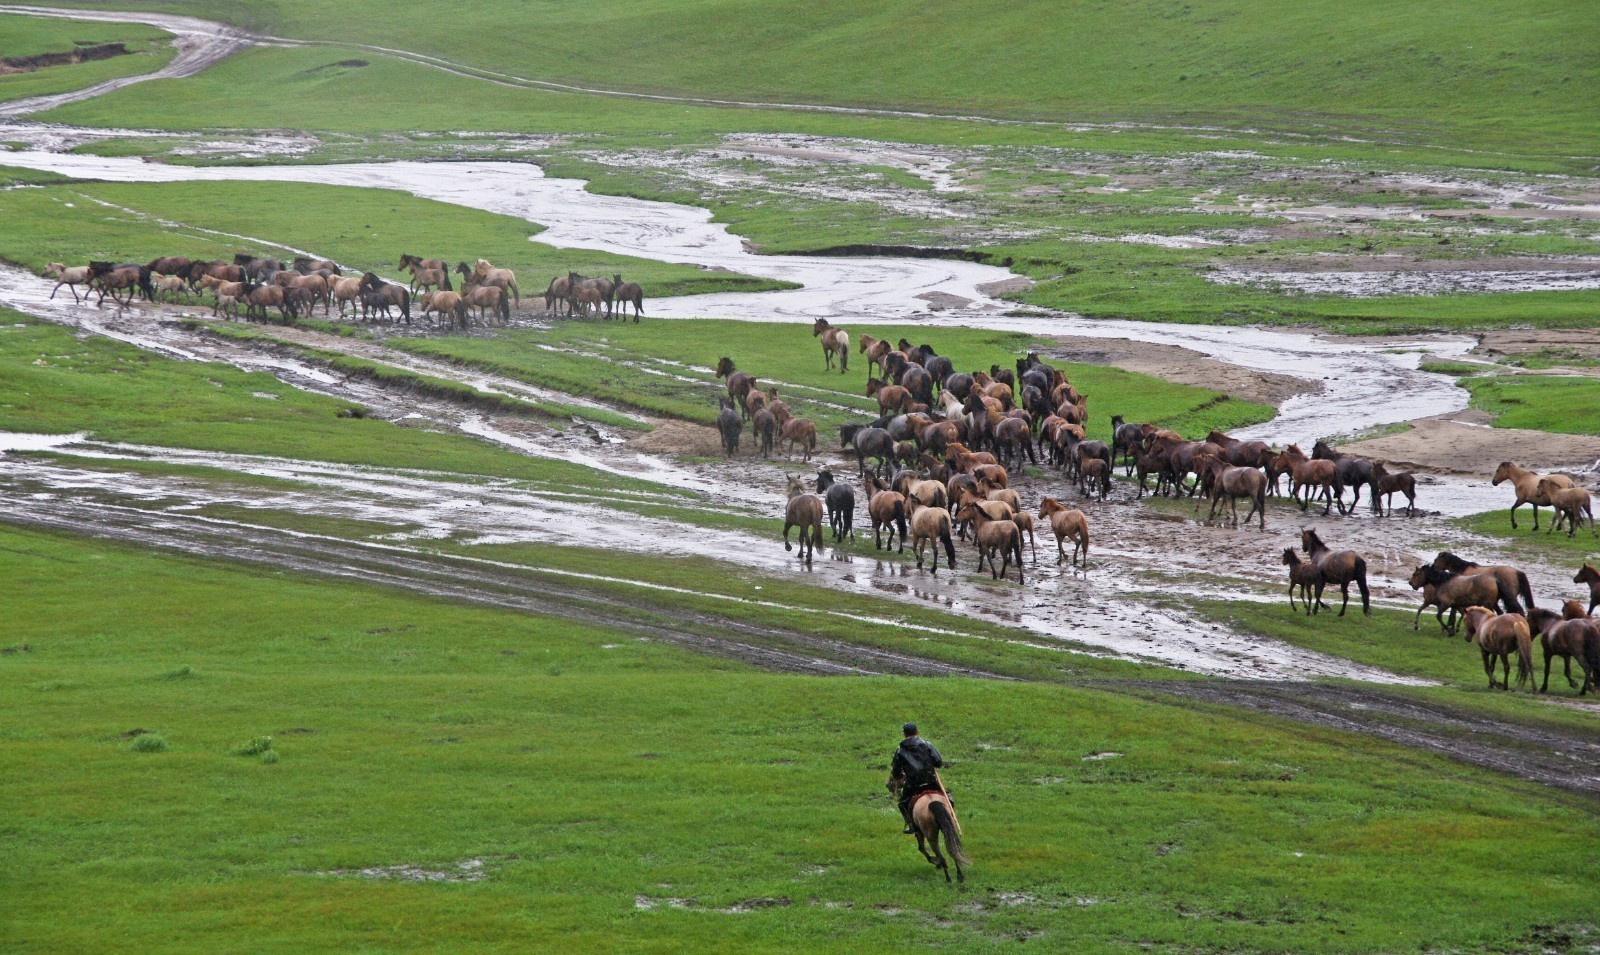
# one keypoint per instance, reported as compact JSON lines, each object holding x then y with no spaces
{"x":844,"y":353}
{"x":1524,"y":657}
{"x":516,"y":292}
{"x":945,"y":539}
{"x":900,"y":518}
{"x":405,"y":305}
{"x":950,"y":830}
{"x":1361,"y":582}
{"x":505,"y":309}
{"x":447,"y":286}
{"x":144,"y":283}
{"x":1523,"y":588}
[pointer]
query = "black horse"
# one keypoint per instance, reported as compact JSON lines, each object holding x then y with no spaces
{"x":841,"y":501}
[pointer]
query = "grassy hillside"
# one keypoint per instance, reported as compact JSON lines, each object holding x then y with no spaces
{"x":1494,"y":73}
{"x":573,"y":782}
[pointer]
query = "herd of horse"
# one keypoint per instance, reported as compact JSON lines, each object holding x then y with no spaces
{"x":935,"y":468}
{"x":251,"y":285}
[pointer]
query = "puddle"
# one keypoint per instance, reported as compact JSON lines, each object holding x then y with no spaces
{"x":15,"y":441}
{"x":1372,"y":284}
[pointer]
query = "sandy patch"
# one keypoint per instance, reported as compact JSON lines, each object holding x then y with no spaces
{"x":1463,"y":444}
{"x":1185,"y":367}
{"x":1521,"y":341}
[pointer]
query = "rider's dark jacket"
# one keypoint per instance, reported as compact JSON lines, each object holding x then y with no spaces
{"x":916,"y":759}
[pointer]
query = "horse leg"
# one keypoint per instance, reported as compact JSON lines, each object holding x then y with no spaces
{"x":1345,"y":589}
{"x":1566,"y":664}
{"x":1546,"y":687}
{"x":1488,"y":667}
{"x":1292,"y":606}
{"x":1505,"y":682}
{"x":786,"y":526}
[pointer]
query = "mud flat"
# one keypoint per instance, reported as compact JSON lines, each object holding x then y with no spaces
{"x":1464,"y":443}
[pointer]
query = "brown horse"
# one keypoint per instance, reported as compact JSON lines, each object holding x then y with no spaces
{"x":993,"y":537}
{"x":489,"y":300}
{"x":1308,"y":475}
{"x":1386,"y":485}
{"x":1338,"y":567}
{"x":109,"y":279}
{"x":1498,"y":636}
{"x":1304,"y":576}
{"x":625,"y":294}
{"x":423,"y":277}
{"x":1065,"y":523}
{"x":799,"y":432}
{"x":931,"y":525}
{"x":1567,"y":639}
{"x":504,"y":279}
{"x":1572,"y":506}
{"x":1529,"y":489}
{"x":740,"y":383}
{"x":378,"y":294}
{"x":887,"y":509}
{"x":890,"y":397}
{"x":877,"y":352}
{"x":933,"y":816}
{"x":835,"y":341}
{"x":1452,"y":592}
{"x":1234,"y":483}
{"x":217,"y":269}
{"x":1588,"y":575}
{"x":1513,"y":583}
{"x":805,"y":512}
{"x":449,"y":306}
{"x":411,"y":262}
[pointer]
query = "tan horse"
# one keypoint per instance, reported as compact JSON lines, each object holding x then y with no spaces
{"x":1527,"y":485}
{"x":70,"y":277}
{"x":487,"y":274}
{"x":1065,"y":523}
{"x":805,"y":512}
{"x":449,"y":306}
{"x":1498,"y":636}
{"x":877,"y":351}
{"x":933,"y":816}
{"x":835,"y":341}
{"x":931,"y":525}
{"x":1572,"y":507}
{"x":1001,"y":537}
{"x":799,"y":432}
{"x":489,"y":300}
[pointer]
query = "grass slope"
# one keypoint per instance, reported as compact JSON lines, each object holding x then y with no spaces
{"x":22,"y":36}
{"x":1505,"y":74}
{"x":595,"y":778}
{"x":51,"y":382}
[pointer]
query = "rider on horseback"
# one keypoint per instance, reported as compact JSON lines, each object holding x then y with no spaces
{"x":916,"y":762}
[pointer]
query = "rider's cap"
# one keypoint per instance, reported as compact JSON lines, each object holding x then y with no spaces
{"x":910,"y":729}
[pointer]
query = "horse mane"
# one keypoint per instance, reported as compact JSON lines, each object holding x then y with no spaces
{"x":1452,"y":563}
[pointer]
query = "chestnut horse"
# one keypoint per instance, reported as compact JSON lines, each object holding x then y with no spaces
{"x":1065,"y":523}
{"x":1498,"y":636}
{"x":1452,"y":592}
{"x":993,"y":537}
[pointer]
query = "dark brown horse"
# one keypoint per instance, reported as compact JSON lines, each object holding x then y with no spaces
{"x":1566,"y":639}
{"x":1338,"y":567}
{"x":1386,"y":485}
{"x":109,"y":279}
{"x":1588,"y":575}
{"x":1451,"y":592}
{"x":625,"y":294}
{"x":380,"y":295}
{"x":1512,"y":582}
{"x":170,"y":265}
{"x":1303,"y":576}
{"x":739,"y":383}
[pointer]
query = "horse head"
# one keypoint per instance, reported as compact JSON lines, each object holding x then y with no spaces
{"x":724,"y":367}
{"x":795,"y":487}
{"x":1290,"y":558}
{"x":239,"y":258}
{"x":825,"y":480}
{"x":1503,"y":473}
{"x":1310,"y":542}
{"x":1587,"y":575}
{"x":1450,"y":562}
{"x":819,"y":326}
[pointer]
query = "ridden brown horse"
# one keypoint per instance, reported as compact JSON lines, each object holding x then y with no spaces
{"x":1588,"y":575}
{"x":1065,"y":523}
{"x":1498,"y":636}
{"x":933,"y":816}
{"x":1305,"y":577}
{"x":835,"y":341}
{"x":931,"y":525}
{"x":740,"y":383}
{"x":1338,"y":567}
{"x":625,"y":294}
{"x":805,"y":512}
{"x":1529,"y":488}
{"x":1452,"y":592}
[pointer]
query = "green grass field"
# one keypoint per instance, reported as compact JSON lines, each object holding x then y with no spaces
{"x":1500,"y":76}
{"x":22,"y":36}
{"x":1569,"y":405}
{"x":587,"y":779}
